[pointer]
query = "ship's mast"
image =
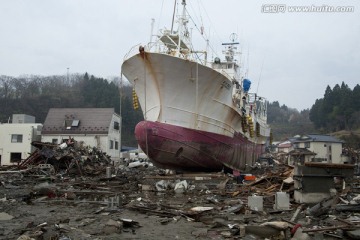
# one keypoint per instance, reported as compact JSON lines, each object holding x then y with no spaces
{"x":182,"y":27}
{"x":230,"y":51}
{"x":173,"y":18}
{"x":152,"y":29}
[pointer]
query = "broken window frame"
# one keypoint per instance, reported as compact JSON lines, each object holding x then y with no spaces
{"x":71,"y":123}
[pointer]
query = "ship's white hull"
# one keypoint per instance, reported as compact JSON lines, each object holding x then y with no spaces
{"x":187,"y":95}
{"x":183,"y":93}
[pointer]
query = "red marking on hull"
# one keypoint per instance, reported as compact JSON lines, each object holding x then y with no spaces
{"x":175,"y":147}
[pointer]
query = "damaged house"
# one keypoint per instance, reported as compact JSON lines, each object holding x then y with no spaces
{"x":316,"y":148}
{"x":95,"y":127}
{"x":16,"y":138}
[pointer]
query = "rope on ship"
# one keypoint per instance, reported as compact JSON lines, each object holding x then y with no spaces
{"x":145,"y":107}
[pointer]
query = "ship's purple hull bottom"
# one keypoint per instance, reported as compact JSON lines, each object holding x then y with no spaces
{"x":179,"y":148}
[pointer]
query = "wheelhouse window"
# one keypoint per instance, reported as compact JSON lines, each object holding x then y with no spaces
{"x":116,"y":145}
{"x":16,"y":138}
{"x":116,"y":125}
{"x":111,"y":144}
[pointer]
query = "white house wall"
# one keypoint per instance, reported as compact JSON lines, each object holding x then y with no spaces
{"x":115,"y":135}
{"x":322,"y":151}
{"x":29,"y":134}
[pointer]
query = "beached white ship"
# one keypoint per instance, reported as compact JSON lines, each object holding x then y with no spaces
{"x":198,"y":115}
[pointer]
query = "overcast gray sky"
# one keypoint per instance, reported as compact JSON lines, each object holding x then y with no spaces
{"x":291,"y":56}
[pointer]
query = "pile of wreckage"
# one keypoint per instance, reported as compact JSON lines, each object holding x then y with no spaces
{"x":276,"y":201}
{"x":68,"y":158}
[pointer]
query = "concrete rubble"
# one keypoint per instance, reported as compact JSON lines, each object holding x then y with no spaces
{"x":75,"y":192}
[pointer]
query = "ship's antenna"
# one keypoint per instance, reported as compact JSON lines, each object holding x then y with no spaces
{"x":181,"y":27}
{"x":173,"y":18}
{"x":262,"y":65}
{"x":248,"y":64}
{"x":160,"y":15}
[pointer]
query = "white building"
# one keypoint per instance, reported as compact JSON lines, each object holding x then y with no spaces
{"x":325,"y":148}
{"x":96,"y":127}
{"x":16,"y":138}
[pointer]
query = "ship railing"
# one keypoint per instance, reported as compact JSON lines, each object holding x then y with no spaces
{"x":186,"y":53}
{"x":160,"y":47}
{"x":225,"y":73}
{"x":131,"y":52}
{"x":257,"y":105}
{"x":151,"y":46}
{"x":251,"y":97}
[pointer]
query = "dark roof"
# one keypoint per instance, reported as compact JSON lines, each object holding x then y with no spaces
{"x":315,"y":138}
{"x":91,"y":121}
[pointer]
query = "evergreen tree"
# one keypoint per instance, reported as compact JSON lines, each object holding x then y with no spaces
{"x":338,"y":110}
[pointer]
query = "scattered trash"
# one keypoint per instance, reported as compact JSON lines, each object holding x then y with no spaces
{"x":181,"y":187}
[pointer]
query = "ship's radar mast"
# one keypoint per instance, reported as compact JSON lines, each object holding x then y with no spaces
{"x":178,"y":42}
{"x":230,"y":49}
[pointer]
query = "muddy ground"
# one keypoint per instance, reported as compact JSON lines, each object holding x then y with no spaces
{"x":142,"y":203}
{"x":89,"y":208}
{"x":81,"y":221}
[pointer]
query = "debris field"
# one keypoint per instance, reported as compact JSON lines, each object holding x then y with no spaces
{"x":75,"y":192}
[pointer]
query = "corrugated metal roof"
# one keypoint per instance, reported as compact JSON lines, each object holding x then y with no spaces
{"x":91,"y":120}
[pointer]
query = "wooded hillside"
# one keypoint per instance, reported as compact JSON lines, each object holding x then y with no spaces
{"x":339,"y":109}
{"x":34,"y":95}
